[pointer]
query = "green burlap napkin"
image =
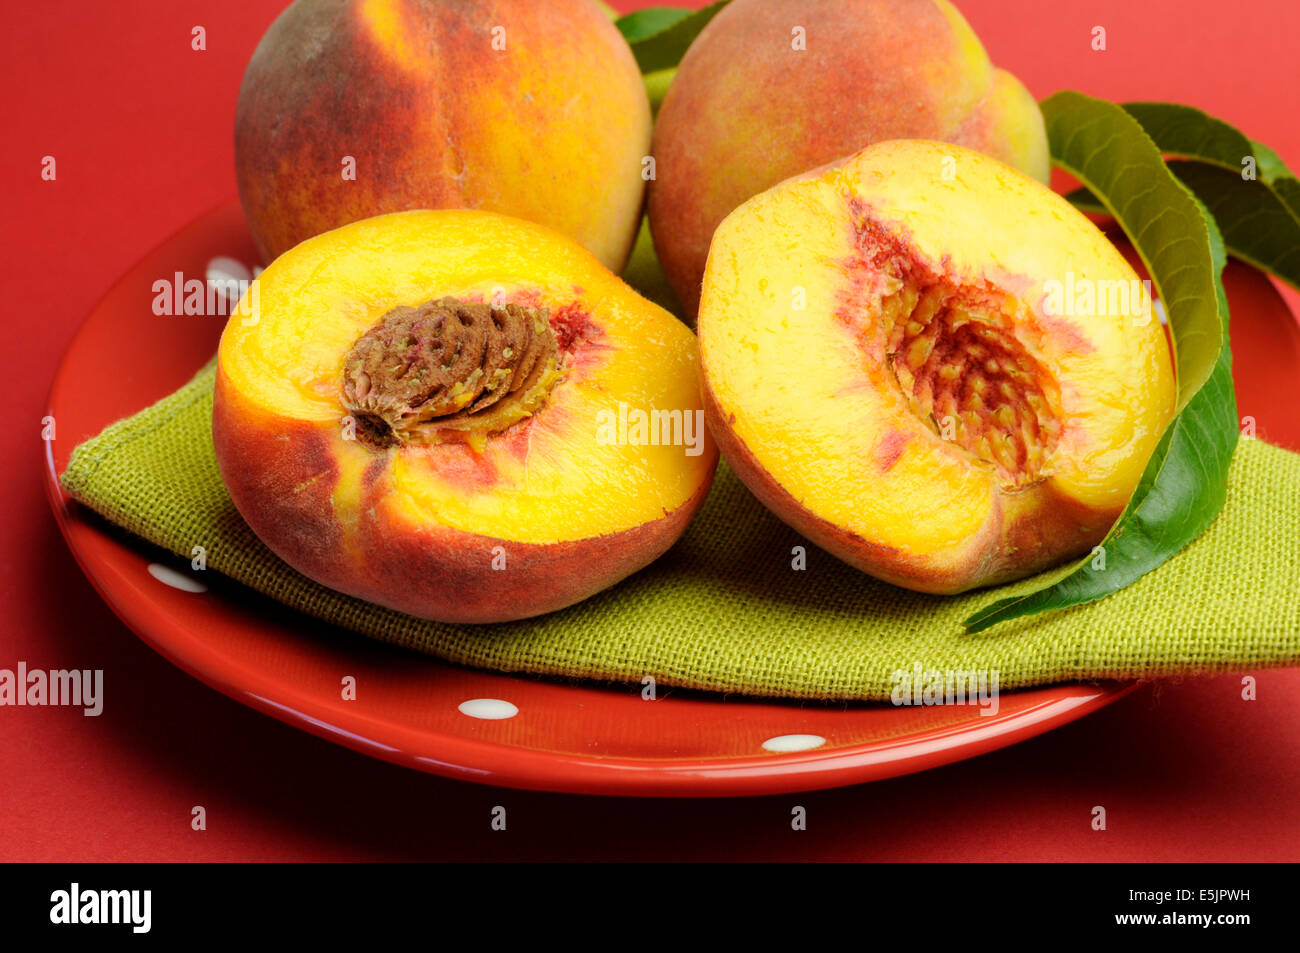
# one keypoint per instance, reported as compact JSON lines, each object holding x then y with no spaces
{"x":726,"y":610}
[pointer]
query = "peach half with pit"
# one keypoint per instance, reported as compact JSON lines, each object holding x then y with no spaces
{"x":421,"y":411}
{"x":931,"y":365}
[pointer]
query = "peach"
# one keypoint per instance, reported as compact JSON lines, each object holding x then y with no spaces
{"x":460,"y":416}
{"x":354,"y":108}
{"x":931,"y":365}
{"x":773,"y":88}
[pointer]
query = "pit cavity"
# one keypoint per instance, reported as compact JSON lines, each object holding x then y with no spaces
{"x":956,"y":352}
{"x":449,"y":369}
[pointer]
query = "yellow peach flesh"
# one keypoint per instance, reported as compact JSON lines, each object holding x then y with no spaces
{"x":795,"y":362}
{"x":567,"y":483}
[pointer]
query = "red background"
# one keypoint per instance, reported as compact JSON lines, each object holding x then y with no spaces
{"x":140,"y":126}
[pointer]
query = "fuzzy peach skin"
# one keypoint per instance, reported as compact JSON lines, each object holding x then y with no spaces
{"x":747,"y":110}
{"x":922,"y":360}
{"x":525,"y":521}
{"x":535,"y":110}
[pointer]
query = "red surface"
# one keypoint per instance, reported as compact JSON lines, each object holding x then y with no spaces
{"x":140,"y":126}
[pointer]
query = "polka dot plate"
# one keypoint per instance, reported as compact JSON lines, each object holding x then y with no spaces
{"x":434,"y":716}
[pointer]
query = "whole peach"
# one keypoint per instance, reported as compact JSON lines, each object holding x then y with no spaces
{"x":352,"y":108}
{"x":773,"y":88}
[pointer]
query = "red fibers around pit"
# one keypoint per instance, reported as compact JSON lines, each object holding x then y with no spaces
{"x":571,"y":325}
{"x":952,"y":348}
{"x":891,"y":448}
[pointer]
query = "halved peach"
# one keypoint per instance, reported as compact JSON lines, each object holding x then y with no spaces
{"x":931,"y":365}
{"x":430,"y":410}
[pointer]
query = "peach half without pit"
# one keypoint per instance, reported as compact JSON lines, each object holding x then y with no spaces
{"x":416,"y":413}
{"x":931,"y":365}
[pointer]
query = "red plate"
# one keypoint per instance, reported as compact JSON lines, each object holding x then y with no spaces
{"x":411,"y":709}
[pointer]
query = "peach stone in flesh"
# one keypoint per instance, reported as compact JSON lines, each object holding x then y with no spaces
{"x":448,"y":369}
{"x":413,"y":417}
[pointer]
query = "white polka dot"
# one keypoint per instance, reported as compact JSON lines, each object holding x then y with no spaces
{"x":794,"y":742}
{"x":489,"y":709}
{"x":222,"y":268}
{"x":177,"y":580}
{"x":228,"y":278}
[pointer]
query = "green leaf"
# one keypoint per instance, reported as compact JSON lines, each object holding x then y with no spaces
{"x":644,"y":273}
{"x":656,"y":87}
{"x":660,"y":36}
{"x":1278,"y":177}
{"x":643,"y":24}
{"x":1183,"y":486}
{"x":1257,"y":227}
{"x":1189,"y":133}
{"x":1259,"y":217}
{"x":1186,"y":131}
